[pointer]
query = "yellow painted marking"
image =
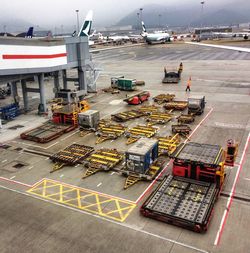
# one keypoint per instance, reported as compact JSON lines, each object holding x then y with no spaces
{"x":114,"y":208}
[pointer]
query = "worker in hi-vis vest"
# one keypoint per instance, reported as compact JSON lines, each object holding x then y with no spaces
{"x":188,"y":84}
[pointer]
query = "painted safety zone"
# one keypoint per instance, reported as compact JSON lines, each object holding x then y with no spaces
{"x":87,"y":200}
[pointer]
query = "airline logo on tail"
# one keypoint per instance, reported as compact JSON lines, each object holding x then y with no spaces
{"x":86,"y":27}
{"x":144,"y":31}
{"x":29,"y":33}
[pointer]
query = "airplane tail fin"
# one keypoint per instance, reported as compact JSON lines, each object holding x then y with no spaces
{"x":29,"y":33}
{"x":144,"y":31}
{"x":86,"y":27}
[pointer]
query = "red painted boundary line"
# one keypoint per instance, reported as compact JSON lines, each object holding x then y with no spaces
{"x":232,"y":193}
{"x":151,"y":185}
{"x":14,"y":181}
{"x":32,"y":56}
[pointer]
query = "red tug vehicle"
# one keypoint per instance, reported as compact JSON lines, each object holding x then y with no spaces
{"x":137,"y":98}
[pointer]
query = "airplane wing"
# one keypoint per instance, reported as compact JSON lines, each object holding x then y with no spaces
{"x":239,"y":49}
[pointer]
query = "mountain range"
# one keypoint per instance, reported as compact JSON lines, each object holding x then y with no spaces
{"x":155,"y":15}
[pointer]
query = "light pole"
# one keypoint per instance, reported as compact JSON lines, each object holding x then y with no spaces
{"x":141,"y":9}
{"x":159,"y":20}
{"x":202,"y":7}
{"x":138,"y":20}
{"x":77,"y":20}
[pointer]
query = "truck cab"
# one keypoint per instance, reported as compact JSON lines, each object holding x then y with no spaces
{"x":196,"y":105}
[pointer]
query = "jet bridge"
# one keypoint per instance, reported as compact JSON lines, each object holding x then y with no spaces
{"x":22,"y":58}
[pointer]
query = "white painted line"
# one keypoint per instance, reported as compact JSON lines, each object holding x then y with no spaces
{"x":30,"y":167}
{"x":112,"y":173}
{"x":61,"y":175}
{"x":99,"y":185}
{"x":15,"y":182}
{"x":47,"y":158}
{"x":77,"y":165}
{"x":111,"y":140}
{"x":52,"y":145}
{"x":65,"y":138}
{"x":232,"y":192}
{"x":248,"y":179}
{"x":12,"y":177}
{"x":4,"y":161}
{"x":132,"y":227}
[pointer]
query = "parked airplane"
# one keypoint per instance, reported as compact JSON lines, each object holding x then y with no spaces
{"x":151,"y":38}
{"x":239,"y":49}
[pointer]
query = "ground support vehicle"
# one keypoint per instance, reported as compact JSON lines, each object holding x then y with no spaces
{"x":187,"y":197}
{"x":167,"y":145}
{"x":186,"y":118}
{"x":135,"y":133}
{"x":196,"y":105}
{"x":138,"y":98}
{"x":163,"y":98}
{"x":74,"y":154}
{"x":203,"y":162}
{"x":183,"y":202}
{"x":127,"y":115}
{"x":102,"y":160}
{"x":171,"y":76}
{"x":176,"y":105}
{"x":9,"y":112}
{"x":181,"y":129}
{"x":142,"y":162}
{"x":47,"y":132}
{"x":158,"y":118}
{"x":109,"y":131}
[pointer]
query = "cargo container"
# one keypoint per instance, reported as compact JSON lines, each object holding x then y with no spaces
{"x":89,"y":119}
{"x":141,"y":155}
{"x":126,"y":84}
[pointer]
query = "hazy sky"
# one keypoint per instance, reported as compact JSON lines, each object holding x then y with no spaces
{"x":56,"y":12}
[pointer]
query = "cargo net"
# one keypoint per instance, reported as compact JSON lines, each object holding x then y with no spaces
{"x":102,"y":160}
{"x":127,"y":115}
{"x":167,"y":145}
{"x":163,"y":98}
{"x":109,"y":131}
{"x":135,"y":133}
{"x":158,"y":118}
{"x":176,"y":105}
{"x":71,"y":155}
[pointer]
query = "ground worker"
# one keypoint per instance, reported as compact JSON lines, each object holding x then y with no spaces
{"x":165,"y":71}
{"x":180,"y":68}
{"x":188,"y":84}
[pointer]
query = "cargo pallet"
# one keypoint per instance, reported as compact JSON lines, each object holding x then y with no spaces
{"x":183,"y":202}
{"x":135,"y":133}
{"x":74,"y":154}
{"x":127,"y":115}
{"x":149,"y":109}
{"x":176,"y":105}
{"x":158,"y":118}
{"x":102,"y":160}
{"x":154,"y":169}
{"x":163,"y":98}
{"x":109,"y":131}
{"x":181,"y":129}
{"x":167,"y":145}
{"x":186,"y":118}
{"x":47,"y":132}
